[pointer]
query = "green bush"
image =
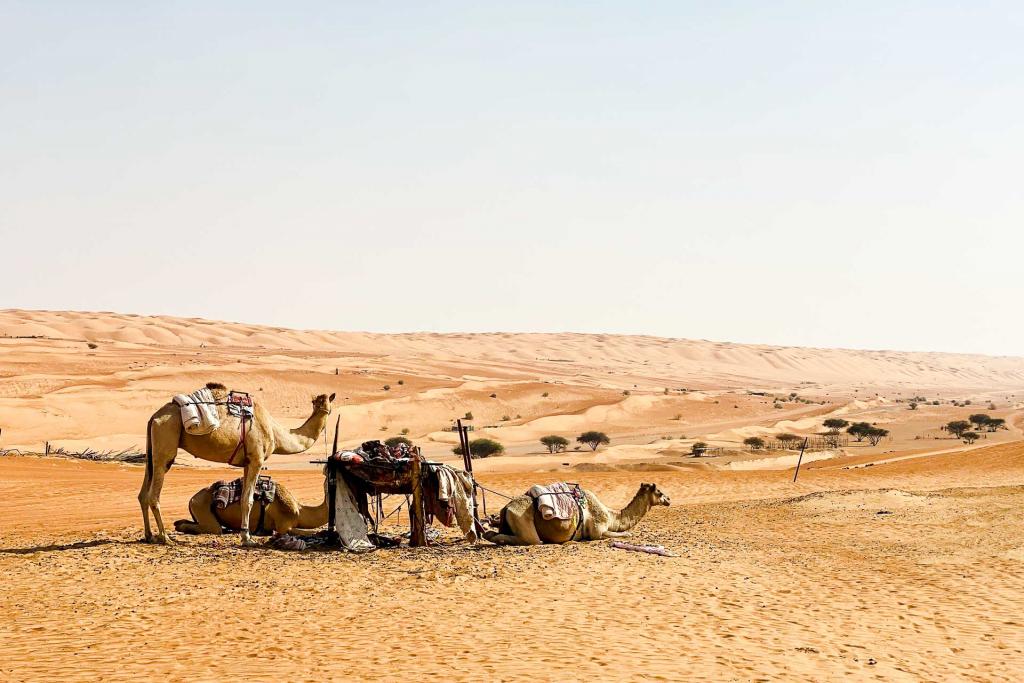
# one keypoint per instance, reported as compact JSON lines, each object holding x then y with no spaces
{"x":395,"y":440}
{"x":481,"y":448}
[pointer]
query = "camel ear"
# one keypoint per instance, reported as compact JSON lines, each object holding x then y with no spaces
{"x":331,"y":398}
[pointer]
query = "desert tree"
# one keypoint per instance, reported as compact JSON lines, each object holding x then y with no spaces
{"x":593,"y":439}
{"x":876,"y":434}
{"x":788,"y":440}
{"x":979,"y":420}
{"x":755,"y":443}
{"x":995,"y":423}
{"x":913,"y":405}
{"x":555,"y":443}
{"x":969,"y":437}
{"x":859,"y":430}
{"x":958,"y":427}
{"x":834,"y":424}
{"x":699,"y":448}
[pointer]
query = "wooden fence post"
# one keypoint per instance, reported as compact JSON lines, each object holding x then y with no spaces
{"x":417,"y":513}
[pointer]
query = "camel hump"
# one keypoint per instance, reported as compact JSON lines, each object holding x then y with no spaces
{"x":219,"y":391}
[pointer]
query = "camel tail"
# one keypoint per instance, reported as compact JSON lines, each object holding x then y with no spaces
{"x":149,"y":449}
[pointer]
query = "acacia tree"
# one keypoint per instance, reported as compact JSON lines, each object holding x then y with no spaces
{"x":995,"y":423}
{"x":699,"y":448}
{"x":395,"y":440}
{"x":755,"y":443}
{"x":958,"y":427}
{"x":913,"y":405}
{"x":979,"y":420}
{"x":876,"y":434}
{"x":834,"y":424}
{"x":593,"y":439}
{"x":969,"y":437}
{"x":555,"y":443}
{"x":859,"y":430}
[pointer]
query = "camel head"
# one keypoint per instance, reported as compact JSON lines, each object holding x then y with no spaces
{"x":322,"y":403}
{"x":654,"y":495}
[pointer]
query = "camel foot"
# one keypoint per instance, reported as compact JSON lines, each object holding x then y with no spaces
{"x":163,"y":539}
{"x":247,"y":540}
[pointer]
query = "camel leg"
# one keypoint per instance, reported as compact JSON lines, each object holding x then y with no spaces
{"x":252,"y":473}
{"x":155,"y":487}
{"x":144,"y":501}
{"x":616,"y":534}
{"x":524,"y":532}
{"x":203,"y":520}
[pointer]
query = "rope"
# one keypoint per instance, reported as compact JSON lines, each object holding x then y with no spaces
{"x":497,"y":493}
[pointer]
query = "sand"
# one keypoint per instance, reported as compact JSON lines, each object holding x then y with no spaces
{"x":896,"y":562}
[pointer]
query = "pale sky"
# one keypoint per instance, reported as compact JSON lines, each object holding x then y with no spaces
{"x":808,"y":173}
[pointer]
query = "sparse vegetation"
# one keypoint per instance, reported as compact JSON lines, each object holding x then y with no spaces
{"x":958,"y":427}
{"x":970,"y":437}
{"x":505,"y":418}
{"x":834,"y":424}
{"x":494,"y":396}
{"x":979,"y":420}
{"x":913,"y":405}
{"x":876,"y":434}
{"x":593,"y":439}
{"x":995,"y":423}
{"x":544,"y":395}
{"x":625,"y":392}
{"x":481,"y":448}
{"x":395,"y":440}
{"x":93,"y":345}
{"x":400,"y":382}
{"x":387,"y":387}
{"x":755,"y":443}
{"x":405,"y":430}
{"x":699,"y":448}
{"x":858,"y":430}
{"x":467,"y":416}
{"x":788,"y":440}
{"x":555,"y":443}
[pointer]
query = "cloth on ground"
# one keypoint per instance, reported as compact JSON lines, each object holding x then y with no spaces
{"x":198,"y":412}
{"x":454,"y":499}
{"x":227,"y":493}
{"x":557,"y":500}
{"x":348,"y":523}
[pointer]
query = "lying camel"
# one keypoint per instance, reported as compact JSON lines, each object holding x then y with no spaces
{"x":282,"y":516}
{"x":165,"y":434}
{"x":521,"y":524}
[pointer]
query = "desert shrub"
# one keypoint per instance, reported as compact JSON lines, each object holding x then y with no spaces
{"x":494,"y":396}
{"x":991,"y":406}
{"x":625,"y":392}
{"x":593,"y":439}
{"x":545,"y":395}
{"x":788,"y":440}
{"x":401,"y":382}
{"x":395,"y":440}
{"x":481,"y":448}
{"x":555,"y":443}
{"x":698,"y":449}
{"x":505,"y":418}
{"x":755,"y":443}
{"x":834,"y":424}
{"x":405,"y":430}
{"x":467,"y":416}
{"x":913,"y":405}
{"x":93,"y":345}
{"x":970,"y":437}
{"x":387,"y":387}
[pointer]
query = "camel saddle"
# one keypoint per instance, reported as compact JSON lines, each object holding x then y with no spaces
{"x":227,"y":493}
{"x":240,"y":404}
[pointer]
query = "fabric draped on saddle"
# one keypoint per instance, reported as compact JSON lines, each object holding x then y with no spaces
{"x":558,"y":500}
{"x":227,"y":493}
{"x":198,"y":411}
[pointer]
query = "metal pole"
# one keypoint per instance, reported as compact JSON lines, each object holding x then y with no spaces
{"x":800,"y":459}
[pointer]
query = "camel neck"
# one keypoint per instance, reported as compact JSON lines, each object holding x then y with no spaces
{"x":301,"y":438}
{"x":313,"y":517}
{"x":628,"y":517}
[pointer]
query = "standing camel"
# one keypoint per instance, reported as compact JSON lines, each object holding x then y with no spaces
{"x":521,"y":524}
{"x":263,"y":436}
